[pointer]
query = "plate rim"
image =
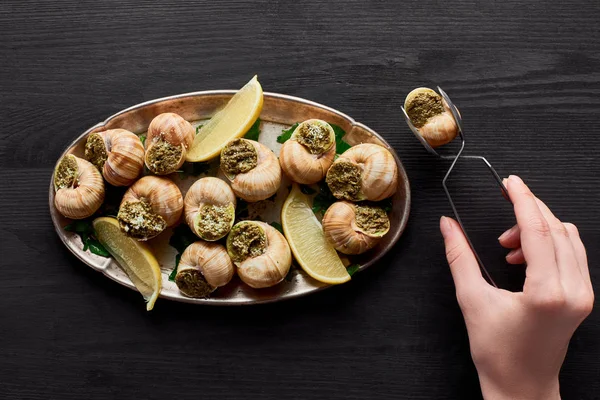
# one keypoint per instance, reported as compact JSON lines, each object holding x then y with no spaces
{"x":227,"y":302}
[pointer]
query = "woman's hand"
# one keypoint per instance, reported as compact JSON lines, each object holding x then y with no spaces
{"x":519,"y":340}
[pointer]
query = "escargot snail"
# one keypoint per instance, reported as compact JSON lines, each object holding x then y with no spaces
{"x":252,"y":168}
{"x":79,"y":188}
{"x":169,"y":137}
{"x":203,"y":268}
{"x":210,"y":208}
{"x":261,"y":253}
{"x":149,"y":206}
{"x":354,"y":228}
{"x":429,"y":113}
{"x":308,"y":154}
{"x":363,"y":172}
{"x":118,"y":154}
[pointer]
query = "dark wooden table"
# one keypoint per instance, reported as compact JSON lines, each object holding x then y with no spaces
{"x":526,"y":76}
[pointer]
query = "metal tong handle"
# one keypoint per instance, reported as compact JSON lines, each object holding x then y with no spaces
{"x":455,"y":158}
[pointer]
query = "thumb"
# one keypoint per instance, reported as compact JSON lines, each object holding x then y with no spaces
{"x":463,"y":264}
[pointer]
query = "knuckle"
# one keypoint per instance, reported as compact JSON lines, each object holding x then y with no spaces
{"x":584,"y":304}
{"x":539,"y":226}
{"x":550,"y":301}
{"x":560,"y":229}
{"x":572,"y":229}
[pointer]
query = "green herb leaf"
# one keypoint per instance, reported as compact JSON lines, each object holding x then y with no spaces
{"x":182,"y":237}
{"x":386,"y":205}
{"x":277,"y":226}
{"x":80,"y":226}
{"x":143,"y":139}
{"x":85,"y":230}
{"x":287,"y":133}
{"x":198,"y":128}
{"x":323,"y":199}
{"x":254,"y":131}
{"x":85,"y":240}
{"x":174,"y":272}
{"x":97,"y":248}
{"x":352,"y":269}
{"x":340,"y":145}
{"x":307,"y":190}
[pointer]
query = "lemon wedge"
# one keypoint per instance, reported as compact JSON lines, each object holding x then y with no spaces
{"x":304,"y":233}
{"x":134,"y":257}
{"x":231,"y":122}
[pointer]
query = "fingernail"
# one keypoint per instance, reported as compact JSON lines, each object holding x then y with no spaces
{"x":507,"y":233}
{"x":445,"y":226}
{"x":515,"y":179}
{"x":505,"y":181}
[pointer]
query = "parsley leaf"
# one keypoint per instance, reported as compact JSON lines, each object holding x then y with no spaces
{"x":198,"y":128}
{"x":340,"y":145}
{"x":85,"y":230}
{"x":323,"y":199}
{"x":181,"y":238}
{"x":386,"y":205}
{"x":277,"y":226}
{"x":96,"y":247}
{"x":352,"y":269}
{"x":254,"y":131}
{"x":173,"y":273}
{"x":80,"y":226}
{"x":143,"y":139}
{"x":287,"y":133}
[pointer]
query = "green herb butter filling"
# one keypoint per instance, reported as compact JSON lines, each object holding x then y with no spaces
{"x":238,"y":156}
{"x":344,"y":180}
{"x":95,"y":150}
{"x":246,"y":240}
{"x":192,"y":283}
{"x":315,"y":137}
{"x":137,"y":220}
{"x":66,"y":173}
{"x":214,"y":222}
{"x":423,"y":106}
{"x":371,"y":219}
{"x":162,"y":157}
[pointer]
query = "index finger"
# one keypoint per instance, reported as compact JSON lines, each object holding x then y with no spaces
{"x":536,"y":238}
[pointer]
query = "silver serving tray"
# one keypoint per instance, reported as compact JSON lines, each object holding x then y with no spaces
{"x":279,"y":111}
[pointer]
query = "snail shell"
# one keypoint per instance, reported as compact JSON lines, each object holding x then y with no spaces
{"x":252,"y":168}
{"x":308,"y":154}
{"x":169,"y":136}
{"x":261,"y":253}
{"x":209,"y":208}
{"x":354,"y":228}
{"x":118,"y":154}
{"x":79,"y":187}
{"x":430,"y":114}
{"x":149,"y":206}
{"x":203,"y":268}
{"x":363,"y":172}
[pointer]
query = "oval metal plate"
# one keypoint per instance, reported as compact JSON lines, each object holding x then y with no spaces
{"x":278,"y":111}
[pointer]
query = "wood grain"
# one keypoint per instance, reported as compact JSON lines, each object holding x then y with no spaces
{"x":524,"y":74}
